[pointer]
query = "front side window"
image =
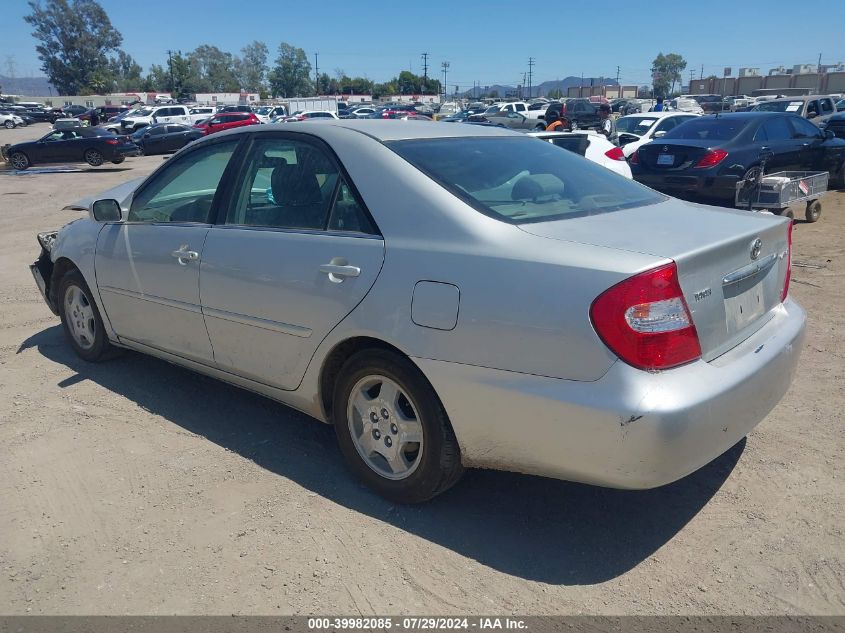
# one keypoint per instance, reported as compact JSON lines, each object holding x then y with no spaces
{"x":184,"y":190}
{"x":635,"y":125}
{"x":803,"y":128}
{"x":519,"y":180}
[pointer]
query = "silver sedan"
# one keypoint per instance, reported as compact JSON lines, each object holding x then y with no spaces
{"x":448,"y":296}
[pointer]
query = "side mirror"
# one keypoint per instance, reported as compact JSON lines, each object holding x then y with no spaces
{"x":106,"y":211}
{"x":147,"y":135}
{"x":829,"y":134}
{"x":659,"y":133}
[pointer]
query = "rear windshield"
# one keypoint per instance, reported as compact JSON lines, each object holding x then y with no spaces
{"x":780,"y":106}
{"x":520,"y":180}
{"x":708,"y":129}
{"x":635,"y":125}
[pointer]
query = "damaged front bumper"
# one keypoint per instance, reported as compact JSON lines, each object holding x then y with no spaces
{"x":42,"y":269}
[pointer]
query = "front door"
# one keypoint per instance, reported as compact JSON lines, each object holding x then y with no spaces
{"x":297,"y":252}
{"x":810,"y":140}
{"x":148,"y":266}
{"x":775,"y":140}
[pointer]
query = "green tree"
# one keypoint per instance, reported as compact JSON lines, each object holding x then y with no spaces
{"x":291,"y":76}
{"x":213,"y":70}
{"x":252,"y":66}
{"x":74,"y":39}
{"x":666,"y":70}
{"x":125,"y":72}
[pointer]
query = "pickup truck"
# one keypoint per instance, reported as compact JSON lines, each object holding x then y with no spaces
{"x":157,"y":114}
{"x":529,"y":111}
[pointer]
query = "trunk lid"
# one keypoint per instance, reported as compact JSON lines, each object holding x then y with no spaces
{"x":668,"y":156}
{"x":730,"y":291}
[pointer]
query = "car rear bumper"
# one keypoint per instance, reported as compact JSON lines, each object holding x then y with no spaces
{"x":629,"y":429}
{"x":680,"y":184}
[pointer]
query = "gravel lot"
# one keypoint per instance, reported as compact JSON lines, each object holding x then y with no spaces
{"x":135,"y":487}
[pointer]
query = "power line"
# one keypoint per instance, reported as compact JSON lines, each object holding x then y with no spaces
{"x":530,"y":74}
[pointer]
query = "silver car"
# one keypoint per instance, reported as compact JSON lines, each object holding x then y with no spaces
{"x":448,"y":296}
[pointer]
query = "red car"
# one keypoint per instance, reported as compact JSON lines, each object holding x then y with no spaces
{"x":227,"y":121}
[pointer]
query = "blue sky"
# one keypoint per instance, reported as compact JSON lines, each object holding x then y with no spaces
{"x":489,"y":42}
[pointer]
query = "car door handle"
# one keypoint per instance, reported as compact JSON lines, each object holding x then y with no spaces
{"x":337,"y":272}
{"x":183,"y":255}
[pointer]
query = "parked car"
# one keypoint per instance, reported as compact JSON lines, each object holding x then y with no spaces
{"x":534,"y":111}
{"x":712,"y":103}
{"x":738,"y":103}
{"x":635,"y":130}
{"x":520,"y":282}
{"x":74,"y":110}
{"x":106,"y":113}
{"x":512,"y":120}
{"x":91,"y":145}
{"x":163,"y":138}
{"x":840,"y":105}
{"x":10,"y":121}
{"x":581,"y":113}
{"x":305,"y":115}
{"x":592,"y":146}
{"x":43,"y":116}
{"x":226,"y":121}
{"x":266,"y":114}
{"x":707,"y":156}
{"x":157,"y":114}
{"x":362,"y":113}
{"x":685,"y":105}
{"x":66,"y":124}
{"x":237,"y":108}
{"x":814,"y":107}
{"x":197,"y":114}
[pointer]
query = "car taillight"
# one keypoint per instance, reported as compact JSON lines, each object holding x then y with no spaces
{"x":112,"y":141}
{"x":635,"y":158}
{"x":646,"y":322}
{"x":711,"y":159}
{"x":788,"y":263}
{"x":615,"y":153}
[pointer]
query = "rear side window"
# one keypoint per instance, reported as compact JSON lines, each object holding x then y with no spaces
{"x":803,"y":128}
{"x":520,"y":180}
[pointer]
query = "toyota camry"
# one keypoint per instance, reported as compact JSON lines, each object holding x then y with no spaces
{"x":447,"y":296}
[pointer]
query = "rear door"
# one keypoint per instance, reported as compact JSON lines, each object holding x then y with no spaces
{"x":296,"y":253}
{"x":148,"y":266}
{"x":775,"y":138}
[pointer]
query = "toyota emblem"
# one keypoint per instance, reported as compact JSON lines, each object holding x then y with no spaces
{"x":756,"y":247}
{"x":665,"y":148}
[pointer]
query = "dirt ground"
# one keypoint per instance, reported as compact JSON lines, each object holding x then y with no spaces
{"x":136,"y":487}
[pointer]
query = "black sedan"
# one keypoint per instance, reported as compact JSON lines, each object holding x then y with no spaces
{"x":92,"y":145}
{"x":163,"y":138}
{"x":706,"y":156}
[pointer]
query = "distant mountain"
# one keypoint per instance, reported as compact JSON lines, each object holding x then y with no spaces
{"x":26,"y":86}
{"x":544,"y":88}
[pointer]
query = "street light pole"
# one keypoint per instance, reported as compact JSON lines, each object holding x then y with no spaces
{"x":445,"y":66}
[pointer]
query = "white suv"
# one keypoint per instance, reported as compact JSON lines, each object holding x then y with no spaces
{"x":157,"y":114}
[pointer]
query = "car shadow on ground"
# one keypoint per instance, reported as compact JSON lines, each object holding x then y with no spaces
{"x":534,"y":528}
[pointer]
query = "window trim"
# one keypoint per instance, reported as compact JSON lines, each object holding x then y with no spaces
{"x":237,"y":179}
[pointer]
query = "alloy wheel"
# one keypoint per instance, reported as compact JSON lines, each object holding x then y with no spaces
{"x":79,"y":314}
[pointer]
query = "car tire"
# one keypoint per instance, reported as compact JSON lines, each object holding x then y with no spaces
{"x":19,"y":161}
{"x":81,"y":319}
{"x":9,"y":125}
{"x":410,"y":427}
{"x":814,"y":211}
{"x":94,"y":158}
{"x":117,"y":161}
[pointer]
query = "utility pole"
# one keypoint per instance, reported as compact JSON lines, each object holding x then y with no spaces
{"x":170,"y":66}
{"x":617,"y":75}
{"x":425,"y":71}
{"x":701,"y":76}
{"x":316,"y":74}
{"x":691,"y":78}
{"x":445,"y":67}
{"x":530,"y":75}
{"x":819,"y":69}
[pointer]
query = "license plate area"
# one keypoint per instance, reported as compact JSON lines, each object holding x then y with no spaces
{"x":666,"y":159}
{"x":749,"y":293}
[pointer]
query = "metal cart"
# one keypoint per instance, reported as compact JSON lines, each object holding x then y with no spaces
{"x":776,"y":192}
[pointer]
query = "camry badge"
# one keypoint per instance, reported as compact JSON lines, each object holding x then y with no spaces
{"x":756,"y":247}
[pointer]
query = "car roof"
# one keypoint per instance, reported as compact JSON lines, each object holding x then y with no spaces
{"x":804,"y":98}
{"x":656,"y":115}
{"x":382,"y":130}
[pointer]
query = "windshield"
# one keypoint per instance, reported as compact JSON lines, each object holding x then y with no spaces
{"x":264,"y":110}
{"x":708,"y":129}
{"x":780,"y":106}
{"x":144,"y":112}
{"x":638,"y":125}
{"x":521,"y":180}
{"x":492,"y":110}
